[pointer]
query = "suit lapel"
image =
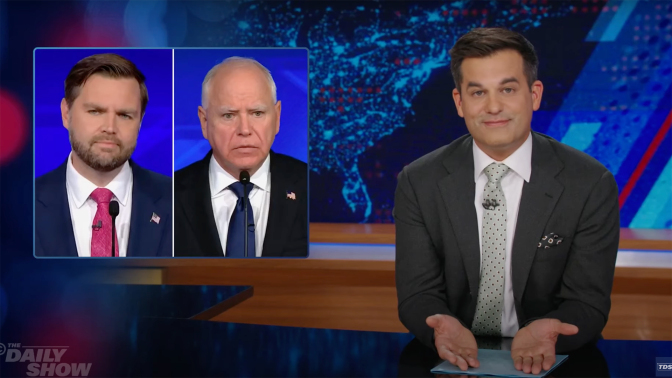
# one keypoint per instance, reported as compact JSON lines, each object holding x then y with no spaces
{"x":145,"y":236}
{"x":282,"y":210}
{"x":537,"y":202}
{"x":55,"y":223}
{"x":457,"y":190}
{"x":197,"y":205}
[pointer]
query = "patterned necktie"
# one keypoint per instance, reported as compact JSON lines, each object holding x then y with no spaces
{"x":488,"y":317}
{"x":101,"y":233}
{"x":235,"y":241}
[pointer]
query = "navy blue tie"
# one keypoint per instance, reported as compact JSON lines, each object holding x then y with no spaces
{"x":235,"y":242}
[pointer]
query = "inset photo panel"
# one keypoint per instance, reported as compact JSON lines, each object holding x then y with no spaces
{"x":241,"y":152}
{"x":103,"y":152}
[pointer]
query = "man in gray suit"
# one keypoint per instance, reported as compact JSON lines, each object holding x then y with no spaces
{"x":504,"y":232}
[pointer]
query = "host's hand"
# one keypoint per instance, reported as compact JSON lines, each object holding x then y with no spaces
{"x":454,"y":343}
{"x":533,"y":347}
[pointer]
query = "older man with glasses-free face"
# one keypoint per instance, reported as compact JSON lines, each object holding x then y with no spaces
{"x":240,"y":116}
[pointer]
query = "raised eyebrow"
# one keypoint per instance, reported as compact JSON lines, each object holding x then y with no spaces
{"x":509,"y":80}
{"x":94,"y":106}
{"x":228,"y":110}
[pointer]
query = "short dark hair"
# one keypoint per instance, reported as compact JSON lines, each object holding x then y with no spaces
{"x":108,"y":65}
{"x":483,"y":42}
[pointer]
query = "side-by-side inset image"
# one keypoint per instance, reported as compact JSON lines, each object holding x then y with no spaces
{"x":103,"y":152}
{"x":241,"y":152}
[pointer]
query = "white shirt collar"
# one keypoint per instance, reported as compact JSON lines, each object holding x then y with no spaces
{"x":221,"y":179}
{"x":520,"y":161}
{"x":82,"y":188}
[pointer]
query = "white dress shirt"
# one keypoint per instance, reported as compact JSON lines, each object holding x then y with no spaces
{"x":520,"y":163}
{"x":83,"y":208}
{"x":224,"y":200}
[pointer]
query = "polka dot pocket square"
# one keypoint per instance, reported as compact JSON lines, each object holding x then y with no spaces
{"x":550,"y":240}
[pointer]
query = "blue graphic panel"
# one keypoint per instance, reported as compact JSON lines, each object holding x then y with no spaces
{"x":154,"y":146}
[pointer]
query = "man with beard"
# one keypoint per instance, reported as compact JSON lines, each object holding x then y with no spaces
{"x":75,"y":204}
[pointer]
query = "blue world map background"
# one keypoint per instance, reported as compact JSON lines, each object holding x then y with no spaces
{"x":380,"y":85}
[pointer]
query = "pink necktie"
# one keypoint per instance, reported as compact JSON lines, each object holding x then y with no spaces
{"x":101,"y":237}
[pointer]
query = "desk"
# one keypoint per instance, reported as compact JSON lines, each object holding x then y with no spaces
{"x":181,"y":347}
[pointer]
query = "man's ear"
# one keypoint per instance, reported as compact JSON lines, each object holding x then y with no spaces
{"x":204,"y":121}
{"x":537,"y":91}
{"x":457,"y":98}
{"x":65,"y":113}
{"x":278,"y":108}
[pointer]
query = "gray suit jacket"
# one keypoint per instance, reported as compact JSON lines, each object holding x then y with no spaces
{"x":437,"y":248}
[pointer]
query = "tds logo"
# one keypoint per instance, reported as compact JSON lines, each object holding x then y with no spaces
{"x":44,"y":361}
{"x":663,"y":367}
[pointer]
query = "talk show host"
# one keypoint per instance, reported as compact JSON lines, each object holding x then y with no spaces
{"x":504,"y":232}
{"x":75,"y":204}
{"x":240,"y":116}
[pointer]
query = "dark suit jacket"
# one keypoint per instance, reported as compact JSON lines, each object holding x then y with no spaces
{"x":437,"y":247}
{"x":287,"y":228}
{"x":152,"y":193}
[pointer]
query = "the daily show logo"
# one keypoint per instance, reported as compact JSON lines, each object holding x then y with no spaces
{"x":44,"y":361}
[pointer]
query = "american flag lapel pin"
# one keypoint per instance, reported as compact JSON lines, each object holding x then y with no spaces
{"x":155,"y":218}
{"x":291,"y":195}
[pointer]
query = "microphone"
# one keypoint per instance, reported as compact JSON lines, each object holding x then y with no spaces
{"x":490,"y":204}
{"x":245,"y":180}
{"x":97,"y":226}
{"x":114,"y":211}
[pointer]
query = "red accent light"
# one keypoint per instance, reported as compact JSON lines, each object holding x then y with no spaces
{"x":13,"y":126}
{"x":646,"y":158}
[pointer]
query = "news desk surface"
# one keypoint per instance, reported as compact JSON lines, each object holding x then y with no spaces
{"x":153,"y":330}
{"x":180,"y":347}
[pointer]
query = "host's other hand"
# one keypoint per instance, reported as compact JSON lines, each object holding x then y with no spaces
{"x":533,"y":347}
{"x":453,"y":342}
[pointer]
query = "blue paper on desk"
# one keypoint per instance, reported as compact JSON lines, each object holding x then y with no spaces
{"x":493,"y":363}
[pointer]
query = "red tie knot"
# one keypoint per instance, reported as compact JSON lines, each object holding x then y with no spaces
{"x":102,"y":195}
